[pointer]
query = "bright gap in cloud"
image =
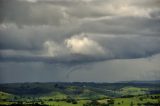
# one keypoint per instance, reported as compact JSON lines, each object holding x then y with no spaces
{"x":81,"y":44}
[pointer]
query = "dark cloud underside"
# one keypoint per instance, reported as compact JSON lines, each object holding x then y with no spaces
{"x":74,"y":35}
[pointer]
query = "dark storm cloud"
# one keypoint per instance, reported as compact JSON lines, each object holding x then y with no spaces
{"x":42,"y":40}
{"x":46,"y":12}
{"x":13,"y":11}
{"x":124,"y":25}
{"x":155,"y":14}
{"x":147,"y":3}
{"x":31,"y":37}
{"x":112,"y":48}
{"x":66,"y":61}
{"x":35,"y":29}
{"x":26,"y":13}
{"x":106,"y":71}
{"x":55,"y":12}
{"x":20,"y":39}
{"x":23,"y":45}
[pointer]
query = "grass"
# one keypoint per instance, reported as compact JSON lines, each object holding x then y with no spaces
{"x":58,"y":96}
{"x":135,"y":100}
{"x":132,"y":91}
{"x":91,"y":95}
{"x":4,"y":95}
{"x":63,"y":103}
{"x":54,"y":95}
{"x":117,"y":101}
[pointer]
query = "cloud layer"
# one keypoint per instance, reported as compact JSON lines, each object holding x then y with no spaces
{"x":77,"y":32}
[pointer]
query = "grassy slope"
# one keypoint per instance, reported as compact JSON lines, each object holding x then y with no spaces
{"x":133,"y":91}
{"x":62,"y":103}
{"x":126,"y":102}
{"x":135,"y":100}
{"x":86,"y":93}
{"x":54,"y":95}
{"x":4,"y":95}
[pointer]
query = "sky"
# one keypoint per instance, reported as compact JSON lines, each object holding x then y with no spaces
{"x":79,"y":40}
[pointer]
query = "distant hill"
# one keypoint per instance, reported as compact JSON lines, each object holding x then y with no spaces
{"x":81,"y":90}
{"x":136,"y":81}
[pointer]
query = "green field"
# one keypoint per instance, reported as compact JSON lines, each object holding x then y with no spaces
{"x":80,"y":94}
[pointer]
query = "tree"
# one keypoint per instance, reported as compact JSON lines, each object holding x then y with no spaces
{"x":118,"y":103}
{"x":74,"y":101}
{"x":15,"y":98}
{"x":138,"y":104}
{"x":141,"y":99}
{"x":122,"y":101}
{"x":111,"y":101}
{"x":131,"y":104}
{"x":56,"y":85}
{"x":71,"y":100}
